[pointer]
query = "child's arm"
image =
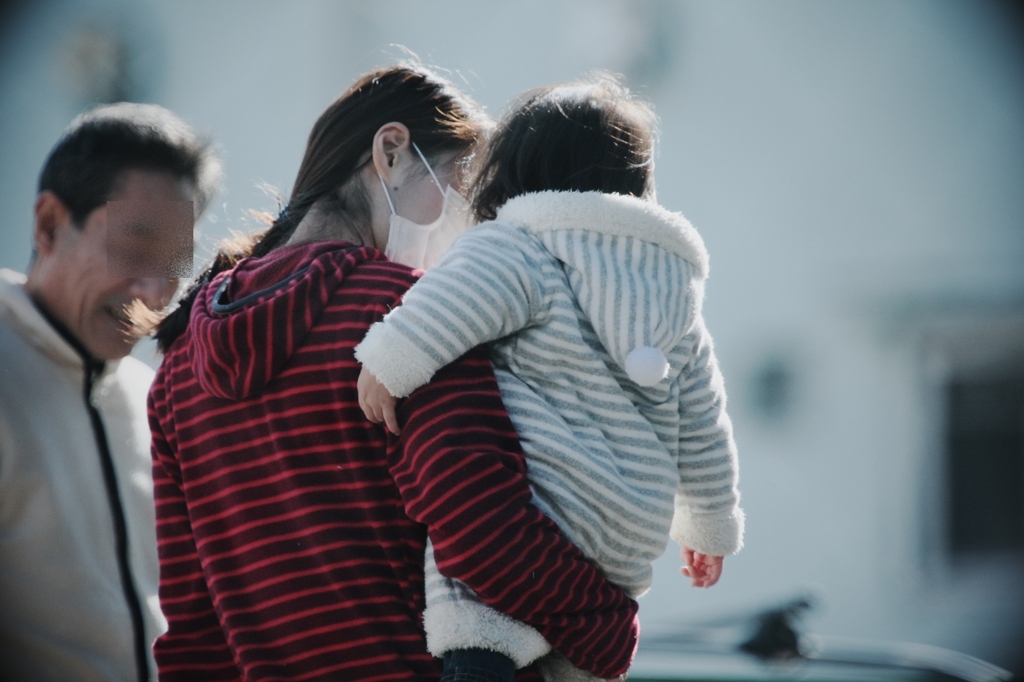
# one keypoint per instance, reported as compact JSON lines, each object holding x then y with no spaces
{"x":708,"y":519}
{"x":484,"y":288}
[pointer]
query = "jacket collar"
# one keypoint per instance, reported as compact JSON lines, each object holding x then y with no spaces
{"x":40,"y":328}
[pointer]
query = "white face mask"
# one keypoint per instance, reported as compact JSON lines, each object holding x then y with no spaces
{"x":419,"y":246}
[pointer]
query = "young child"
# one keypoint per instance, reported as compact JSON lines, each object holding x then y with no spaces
{"x":589,"y":295}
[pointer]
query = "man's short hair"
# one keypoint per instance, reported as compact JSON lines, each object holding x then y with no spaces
{"x":100,"y":144}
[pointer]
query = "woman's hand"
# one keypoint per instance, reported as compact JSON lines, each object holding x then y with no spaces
{"x":703,"y":570}
{"x":377,"y":404}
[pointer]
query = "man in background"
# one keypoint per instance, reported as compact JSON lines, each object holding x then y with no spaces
{"x":118,"y":199}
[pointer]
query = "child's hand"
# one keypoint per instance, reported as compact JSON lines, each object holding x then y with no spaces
{"x":377,"y":404}
{"x":703,"y":570}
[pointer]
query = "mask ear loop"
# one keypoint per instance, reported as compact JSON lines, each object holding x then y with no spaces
{"x":429,"y":169}
{"x":387,"y":194}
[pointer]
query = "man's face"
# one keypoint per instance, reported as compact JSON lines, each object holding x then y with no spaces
{"x":90,"y":278}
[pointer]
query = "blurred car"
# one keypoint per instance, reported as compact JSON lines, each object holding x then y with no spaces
{"x":768,"y":645}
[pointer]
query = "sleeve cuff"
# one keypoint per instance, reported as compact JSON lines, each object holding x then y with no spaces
{"x":473,"y":625}
{"x":397,"y":363}
{"x":713,"y":534}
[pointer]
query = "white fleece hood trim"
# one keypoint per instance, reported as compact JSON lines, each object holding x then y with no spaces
{"x":611,"y":214}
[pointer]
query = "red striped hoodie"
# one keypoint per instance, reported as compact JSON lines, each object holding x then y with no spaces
{"x":291,"y":530}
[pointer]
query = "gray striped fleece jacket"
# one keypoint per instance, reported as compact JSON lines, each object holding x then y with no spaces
{"x":591,"y":306}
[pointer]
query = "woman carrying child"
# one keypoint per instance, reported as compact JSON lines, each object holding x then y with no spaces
{"x":291,"y":530}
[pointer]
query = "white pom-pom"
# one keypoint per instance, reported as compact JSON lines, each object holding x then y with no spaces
{"x":646,"y":365}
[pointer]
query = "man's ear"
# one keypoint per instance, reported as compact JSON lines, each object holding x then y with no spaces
{"x":389,"y":142}
{"x":51,"y":214}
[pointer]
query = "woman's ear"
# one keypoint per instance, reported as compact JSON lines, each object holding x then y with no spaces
{"x":390,"y":145}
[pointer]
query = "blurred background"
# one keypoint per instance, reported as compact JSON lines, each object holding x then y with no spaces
{"x":854,"y":167}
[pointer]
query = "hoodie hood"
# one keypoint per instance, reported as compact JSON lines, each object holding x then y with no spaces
{"x":247,"y":323}
{"x":614,"y":215}
{"x":636,"y":270}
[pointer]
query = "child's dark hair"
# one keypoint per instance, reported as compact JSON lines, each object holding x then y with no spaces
{"x":588,"y":135}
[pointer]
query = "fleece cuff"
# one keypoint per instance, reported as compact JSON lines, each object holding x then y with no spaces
{"x":397,"y":363}
{"x":714,"y":534}
{"x":473,"y":625}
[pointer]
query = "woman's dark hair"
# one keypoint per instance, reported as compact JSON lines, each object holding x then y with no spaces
{"x":440,"y":120}
{"x":585,"y":136}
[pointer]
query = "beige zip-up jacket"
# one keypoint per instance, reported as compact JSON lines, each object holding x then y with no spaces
{"x":65,"y":612}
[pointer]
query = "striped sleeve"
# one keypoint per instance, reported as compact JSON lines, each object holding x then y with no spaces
{"x":484,"y":288}
{"x":460,"y":472}
{"x":193,"y":649}
{"x":707,"y":515}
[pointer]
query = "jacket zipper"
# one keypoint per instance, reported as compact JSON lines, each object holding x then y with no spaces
{"x":92,"y":370}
